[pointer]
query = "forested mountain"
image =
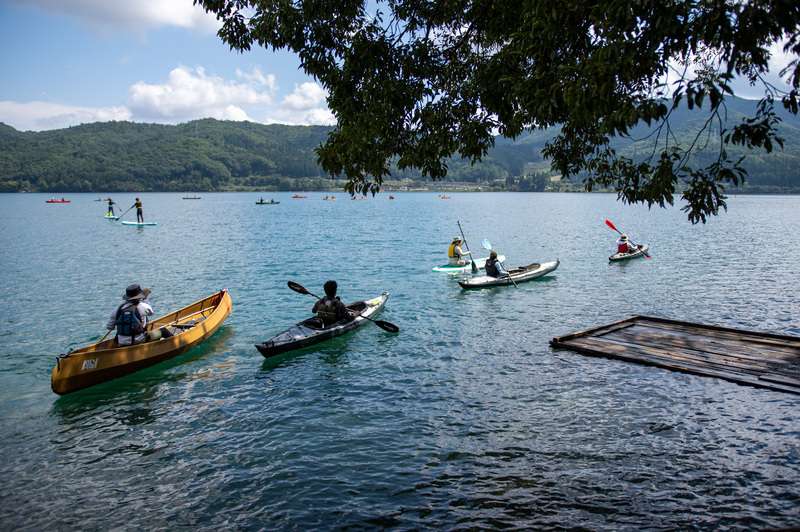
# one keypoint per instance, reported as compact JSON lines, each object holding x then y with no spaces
{"x":203,"y":155}
{"x":212,"y":155}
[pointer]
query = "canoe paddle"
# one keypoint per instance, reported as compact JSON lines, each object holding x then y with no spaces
{"x":104,"y":336}
{"x":620,"y":232}
{"x":385,"y":325}
{"x":474,"y":266}
{"x":488,"y":246}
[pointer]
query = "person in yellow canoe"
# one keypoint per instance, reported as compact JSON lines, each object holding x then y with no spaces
{"x":454,"y":253}
{"x":130,"y":318}
{"x":330,"y":308}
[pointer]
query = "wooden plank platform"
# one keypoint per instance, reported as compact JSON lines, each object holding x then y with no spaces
{"x":752,"y":358}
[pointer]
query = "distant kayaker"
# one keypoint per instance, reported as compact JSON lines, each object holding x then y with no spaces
{"x":623,"y":246}
{"x":111,"y":206}
{"x":330,"y":308}
{"x":494,"y":268}
{"x":139,"y":215}
{"x":455,"y":253}
{"x":130,"y":318}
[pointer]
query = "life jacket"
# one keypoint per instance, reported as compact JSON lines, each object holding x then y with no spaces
{"x":622,"y":247}
{"x":491,"y":268}
{"x":327,"y":311}
{"x":129,"y":323}
{"x":452,"y":252}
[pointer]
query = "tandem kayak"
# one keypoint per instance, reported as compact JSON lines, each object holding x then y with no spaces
{"x":516,"y":275}
{"x":480,"y":263}
{"x":640,"y":252}
{"x":267,"y":202}
{"x":107,"y":360}
{"x":310,"y":331}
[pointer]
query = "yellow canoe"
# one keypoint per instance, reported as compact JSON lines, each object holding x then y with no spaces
{"x":106,"y":360}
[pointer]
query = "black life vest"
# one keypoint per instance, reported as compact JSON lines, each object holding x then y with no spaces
{"x":129,"y":323}
{"x":491,"y":268}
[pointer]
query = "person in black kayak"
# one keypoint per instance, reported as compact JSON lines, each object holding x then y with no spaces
{"x":330,"y":308}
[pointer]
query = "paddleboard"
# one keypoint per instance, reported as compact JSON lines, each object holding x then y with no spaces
{"x":112,"y":217}
{"x":139,"y":223}
{"x":480,"y":263}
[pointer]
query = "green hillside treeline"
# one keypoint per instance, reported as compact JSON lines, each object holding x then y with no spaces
{"x":213,"y":155}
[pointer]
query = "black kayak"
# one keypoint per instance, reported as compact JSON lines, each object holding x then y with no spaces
{"x":311,"y":331}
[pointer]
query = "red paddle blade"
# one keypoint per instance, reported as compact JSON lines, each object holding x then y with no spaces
{"x":611,"y":225}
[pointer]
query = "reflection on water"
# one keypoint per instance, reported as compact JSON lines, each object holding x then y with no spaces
{"x":466,"y":419}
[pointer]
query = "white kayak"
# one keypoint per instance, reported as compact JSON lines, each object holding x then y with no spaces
{"x":641,"y":251}
{"x":480,"y":263}
{"x":516,"y":275}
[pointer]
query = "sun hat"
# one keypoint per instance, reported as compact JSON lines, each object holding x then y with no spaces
{"x":457,"y":239}
{"x":134,"y":291}
{"x":624,"y":237}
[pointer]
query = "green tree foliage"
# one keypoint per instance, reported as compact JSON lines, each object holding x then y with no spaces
{"x":415,"y":82}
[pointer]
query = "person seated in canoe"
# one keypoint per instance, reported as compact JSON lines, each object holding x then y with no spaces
{"x":494,"y":268}
{"x":455,"y":253}
{"x":330,"y":308}
{"x":130,"y":318}
{"x":623,"y":246}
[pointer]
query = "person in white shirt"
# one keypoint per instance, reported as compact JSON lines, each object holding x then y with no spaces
{"x":130,"y":318}
{"x":455,"y":253}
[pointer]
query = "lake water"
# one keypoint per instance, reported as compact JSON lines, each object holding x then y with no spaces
{"x":467,"y":419}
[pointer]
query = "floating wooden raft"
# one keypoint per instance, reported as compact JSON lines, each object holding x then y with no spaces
{"x":745,"y":357}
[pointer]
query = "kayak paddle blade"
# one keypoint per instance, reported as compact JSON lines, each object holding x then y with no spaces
{"x":296,"y":287}
{"x":386,"y":326}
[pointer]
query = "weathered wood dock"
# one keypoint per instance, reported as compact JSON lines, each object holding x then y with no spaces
{"x":745,"y":357}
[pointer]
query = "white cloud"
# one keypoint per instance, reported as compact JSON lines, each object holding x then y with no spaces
{"x":305,"y":96}
{"x":189,"y":94}
{"x":38,"y":116}
{"x":305,"y":106}
{"x":132,"y":15}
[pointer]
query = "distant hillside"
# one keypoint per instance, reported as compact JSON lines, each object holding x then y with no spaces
{"x":779,"y":169}
{"x":212,"y":155}
{"x":203,"y":155}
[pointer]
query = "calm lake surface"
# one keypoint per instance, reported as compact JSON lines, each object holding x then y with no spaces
{"x":465,"y":420}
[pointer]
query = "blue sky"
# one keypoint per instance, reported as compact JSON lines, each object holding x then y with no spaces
{"x":67,"y":62}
